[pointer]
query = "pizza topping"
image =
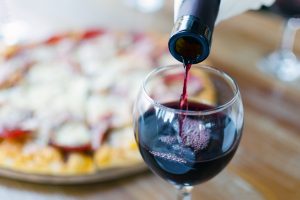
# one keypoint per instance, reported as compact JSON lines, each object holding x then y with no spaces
{"x":12,"y":71}
{"x":74,"y":95}
{"x":97,"y":109}
{"x":92,"y":33}
{"x":195,"y":83}
{"x":121,"y":137}
{"x":13,"y":133}
{"x":171,"y":78}
{"x":72,"y":137}
{"x":10,"y":51}
{"x":54,"y":39}
{"x":99,"y":133}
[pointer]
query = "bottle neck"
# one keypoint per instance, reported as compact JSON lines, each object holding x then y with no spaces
{"x":192,"y":32}
{"x":177,"y":5}
{"x":205,"y":10}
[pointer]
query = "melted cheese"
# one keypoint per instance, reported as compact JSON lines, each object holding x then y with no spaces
{"x":53,"y":91}
{"x":72,"y":134}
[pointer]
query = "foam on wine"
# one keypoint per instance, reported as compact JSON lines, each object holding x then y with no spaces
{"x":194,"y":134}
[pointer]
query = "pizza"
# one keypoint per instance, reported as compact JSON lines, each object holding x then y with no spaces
{"x":66,"y":102}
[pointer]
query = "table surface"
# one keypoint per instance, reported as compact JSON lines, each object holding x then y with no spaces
{"x":267,"y":163}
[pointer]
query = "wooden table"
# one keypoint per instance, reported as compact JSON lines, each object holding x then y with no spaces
{"x":267,"y":163}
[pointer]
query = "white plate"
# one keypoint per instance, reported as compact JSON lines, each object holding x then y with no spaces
{"x":100,"y":176}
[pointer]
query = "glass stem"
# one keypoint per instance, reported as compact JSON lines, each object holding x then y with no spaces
{"x":184,"y":192}
{"x":289,"y":33}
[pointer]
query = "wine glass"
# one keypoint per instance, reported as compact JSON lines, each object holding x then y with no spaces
{"x":283,"y":63}
{"x":188,"y":146}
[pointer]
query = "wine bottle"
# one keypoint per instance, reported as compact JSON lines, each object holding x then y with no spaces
{"x":191,"y":36}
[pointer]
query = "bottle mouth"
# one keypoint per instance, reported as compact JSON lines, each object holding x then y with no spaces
{"x":190,"y":40}
{"x":189,"y":47}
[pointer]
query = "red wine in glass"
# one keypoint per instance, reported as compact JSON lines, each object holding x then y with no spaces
{"x":189,"y":145}
{"x":193,"y":157}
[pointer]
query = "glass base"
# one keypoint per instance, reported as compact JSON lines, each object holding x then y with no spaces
{"x":184,"y":192}
{"x":282,"y":64}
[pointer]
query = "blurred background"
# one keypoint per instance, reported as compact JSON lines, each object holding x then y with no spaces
{"x":260,"y":49}
{"x":54,"y":16}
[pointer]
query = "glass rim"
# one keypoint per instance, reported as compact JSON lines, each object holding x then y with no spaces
{"x":216,"y":109}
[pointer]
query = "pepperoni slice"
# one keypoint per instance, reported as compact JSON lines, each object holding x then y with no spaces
{"x":13,"y":133}
{"x":68,"y":148}
{"x":194,"y":83}
{"x":169,"y":79}
{"x":92,"y":33}
{"x":72,"y":137}
{"x":54,"y":39}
